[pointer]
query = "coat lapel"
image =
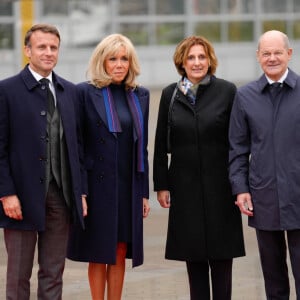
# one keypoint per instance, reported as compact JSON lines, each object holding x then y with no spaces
{"x":98,"y":102}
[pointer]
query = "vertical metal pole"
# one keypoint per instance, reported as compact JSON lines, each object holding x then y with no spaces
{"x":27,"y":17}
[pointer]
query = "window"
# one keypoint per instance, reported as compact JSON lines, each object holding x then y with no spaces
{"x":296,"y":5}
{"x":6,"y":28}
{"x":274,"y":6}
{"x":296,"y":29}
{"x":137,"y":33}
{"x":206,"y":6}
{"x":210,"y":30}
{"x":6,"y":8}
{"x":240,"y":6}
{"x":169,"y":7}
{"x":55,"y":7}
{"x":133,"y":7}
{"x":169,"y":33}
{"x":240,"y":31}
{"x":6,"y":36}
{"x":274,"y":24}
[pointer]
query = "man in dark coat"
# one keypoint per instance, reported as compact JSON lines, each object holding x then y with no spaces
{"x":40,"y":182}
{"x":265,"y":128}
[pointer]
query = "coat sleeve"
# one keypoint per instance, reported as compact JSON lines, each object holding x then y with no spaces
{"x":7,"y":186}
{"x":160,"y":159}
{"x":144,"y":96}
{"x":239,"y":152}
{"x":80,"y":119}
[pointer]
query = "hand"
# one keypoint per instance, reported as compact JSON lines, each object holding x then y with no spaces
{"x":12,"y":207}
{"x":84,"y":206}
{"x":146,"y":207}
{"x":243,"y":201}
{"x":163,"y":198}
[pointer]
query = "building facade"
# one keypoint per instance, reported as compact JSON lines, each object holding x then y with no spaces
{"x":155,"y":27}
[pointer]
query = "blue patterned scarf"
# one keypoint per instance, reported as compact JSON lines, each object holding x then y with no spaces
{"x":137,"y":116}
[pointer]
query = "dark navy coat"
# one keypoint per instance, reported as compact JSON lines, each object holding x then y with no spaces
{"x":204,"y":222}
{"x":99,"y":240}
{"x":23,"y":146}
{"x":269,"y":134}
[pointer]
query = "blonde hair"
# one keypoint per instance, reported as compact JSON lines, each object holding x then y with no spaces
{"x":109,"y":46}
{"x":183,"y":48}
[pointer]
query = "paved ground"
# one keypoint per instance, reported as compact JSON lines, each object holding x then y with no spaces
{"x":158,"y":279}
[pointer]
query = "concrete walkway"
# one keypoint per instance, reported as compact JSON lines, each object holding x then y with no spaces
{"x":158,"y":279}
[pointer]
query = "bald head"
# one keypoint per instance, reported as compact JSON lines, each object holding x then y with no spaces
{"x":274,"y":35}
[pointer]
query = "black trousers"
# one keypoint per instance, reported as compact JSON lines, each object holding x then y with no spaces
{"x":199,"y":279}
{"x":273,"y":255}
{"x":51,"y":246}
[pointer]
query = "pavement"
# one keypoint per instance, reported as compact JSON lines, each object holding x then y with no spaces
{"x":157,"y":278}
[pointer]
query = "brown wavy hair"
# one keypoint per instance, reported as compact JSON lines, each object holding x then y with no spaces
{"x":183,"y":48}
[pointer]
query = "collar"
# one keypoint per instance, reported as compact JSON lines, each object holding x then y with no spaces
{"x":38,"y":77}
{"x":282,"y":78}
{"x":290,"y":80}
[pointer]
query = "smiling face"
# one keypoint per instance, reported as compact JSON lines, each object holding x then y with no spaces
{"x":117,"y":66}
{"x":196,"y":64}
{"x":42,"y":52}
{"x":273,"y":55}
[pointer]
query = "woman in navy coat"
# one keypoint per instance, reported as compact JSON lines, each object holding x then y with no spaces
{"x":114,"y":118}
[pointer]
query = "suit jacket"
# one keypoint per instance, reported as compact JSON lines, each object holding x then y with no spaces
{"x":23,"y":146}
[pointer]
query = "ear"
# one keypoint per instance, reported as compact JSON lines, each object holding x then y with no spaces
{"x":257,"y":55}
{"x":290,"y":53}
{"x":27,"y":51}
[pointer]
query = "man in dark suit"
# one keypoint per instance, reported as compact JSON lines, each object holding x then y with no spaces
{"x":41,"y":181}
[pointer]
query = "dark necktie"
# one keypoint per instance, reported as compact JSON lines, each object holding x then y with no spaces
{"x":274,"y":89}
{"x":50,"y":97}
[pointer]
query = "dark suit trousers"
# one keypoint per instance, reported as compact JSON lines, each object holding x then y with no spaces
{"x":221,"y":278}
{"x":273,"y":256}
{"x":51,"y":246}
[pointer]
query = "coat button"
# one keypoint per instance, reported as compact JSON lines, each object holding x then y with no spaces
{"x":42,"y":180}
{"x":43,"y":113}
{"x":102,"y":141}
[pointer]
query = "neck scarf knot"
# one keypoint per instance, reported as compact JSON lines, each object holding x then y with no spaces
{"x":189,"y":89}
{"x":137,"y":116}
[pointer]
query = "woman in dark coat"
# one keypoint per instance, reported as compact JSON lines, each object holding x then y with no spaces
{"x":114,"y":118}
{"x":205,"y":227}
